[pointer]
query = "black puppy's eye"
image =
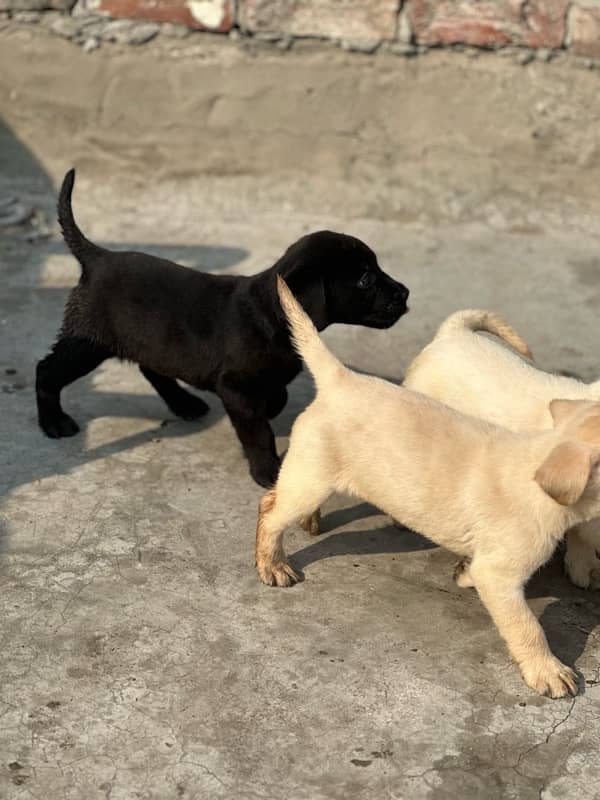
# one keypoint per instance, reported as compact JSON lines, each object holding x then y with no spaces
{"x":366,"y":280}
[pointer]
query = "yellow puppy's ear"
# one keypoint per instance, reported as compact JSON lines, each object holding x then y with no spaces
{"x":561,"y":410}
{"x":565,"y":472}
{"x":589,"y":431}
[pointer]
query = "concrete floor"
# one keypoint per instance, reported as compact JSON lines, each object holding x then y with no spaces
{"x":142,"y":658}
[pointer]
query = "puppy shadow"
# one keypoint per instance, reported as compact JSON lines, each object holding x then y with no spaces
{"x":202,"y":257}
{"x":36,"y":285}
{"x":4,"y":534}
{"x":344,"y":516}
{"x":570,"y":618}
{"x":87,"y":403}
{"x":21,"y":173}
{"x":386,"y":538}
{"x":569,"y":621}
{"x":97,"y":405}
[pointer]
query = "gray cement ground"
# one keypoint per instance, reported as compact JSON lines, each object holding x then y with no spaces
{"x":141,"y":657}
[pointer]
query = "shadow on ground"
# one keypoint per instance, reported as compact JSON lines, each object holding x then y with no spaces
{"x":568,"y":621}
{"x":569,"y":617}
{"x":32,"y":315}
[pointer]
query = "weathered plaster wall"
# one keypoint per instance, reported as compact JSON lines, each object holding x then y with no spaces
{"x":360,"y":24}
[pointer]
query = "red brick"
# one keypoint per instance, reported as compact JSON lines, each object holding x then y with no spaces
{"x":537,"y":23}
{"x":545,"y":22}
{"x":583,"y":26}
{"x":211,"y":15}
{"x":336,"y":19}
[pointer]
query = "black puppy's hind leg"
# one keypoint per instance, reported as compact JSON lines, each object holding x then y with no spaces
{"x":71,"y":358}
{"x":183,"y":404}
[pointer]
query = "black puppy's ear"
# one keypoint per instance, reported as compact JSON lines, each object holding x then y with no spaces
{"x":308,"y":287}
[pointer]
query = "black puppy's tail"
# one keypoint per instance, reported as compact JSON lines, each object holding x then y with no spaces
{"x":78,"y":244}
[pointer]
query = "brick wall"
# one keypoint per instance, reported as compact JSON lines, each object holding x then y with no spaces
{"x":364,"y":24}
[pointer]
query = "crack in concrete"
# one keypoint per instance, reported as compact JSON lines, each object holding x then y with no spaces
{"x":69,"y":602}
{"x":562,"y":721}
{"x":555,"y":727}
{"x":183,"y":755}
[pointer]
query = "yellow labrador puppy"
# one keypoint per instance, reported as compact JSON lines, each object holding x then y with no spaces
{"x":480,"y":376}
{"x":500,"y":498}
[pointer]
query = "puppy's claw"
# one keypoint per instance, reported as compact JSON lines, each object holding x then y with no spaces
{"x":59,"y":427}
{"x":569,"y":686}
{"x":573,"y":685}
{"x":312,"y":523}
{"x":552,"y":679}
{"x":278,"y":573}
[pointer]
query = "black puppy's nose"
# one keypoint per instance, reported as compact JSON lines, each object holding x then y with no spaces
{"x":401,"y":294}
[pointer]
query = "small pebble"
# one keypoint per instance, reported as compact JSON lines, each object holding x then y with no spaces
{"x":525,"y":57}
{"x":91,"y":44}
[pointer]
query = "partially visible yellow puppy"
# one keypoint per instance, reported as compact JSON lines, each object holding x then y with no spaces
{"x":500,"y":498}
{"x":478,"y":375}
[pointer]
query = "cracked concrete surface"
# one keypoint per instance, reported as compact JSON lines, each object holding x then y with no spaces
{"x":141,"y":657}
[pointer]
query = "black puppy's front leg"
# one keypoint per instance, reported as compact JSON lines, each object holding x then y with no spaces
{"x":276,"y":401}
{"x":258,"y":442}
{"x":183,"y":404}
{"x":249,"y":418}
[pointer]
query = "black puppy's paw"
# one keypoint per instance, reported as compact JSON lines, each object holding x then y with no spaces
{"x":189,"y":407}
{"x":265,"y":471}
{"x":58,"y":427}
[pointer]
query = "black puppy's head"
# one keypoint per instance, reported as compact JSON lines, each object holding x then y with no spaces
{"x":337,"y":279}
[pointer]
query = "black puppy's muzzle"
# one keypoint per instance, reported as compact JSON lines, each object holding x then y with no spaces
{"x":396,"y":306}
{"x":398,"y":301}
{"x":390,"y":307}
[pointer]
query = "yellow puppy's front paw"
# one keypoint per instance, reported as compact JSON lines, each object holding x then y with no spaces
{"x":550,"y":677}
{"x":278,"y":573}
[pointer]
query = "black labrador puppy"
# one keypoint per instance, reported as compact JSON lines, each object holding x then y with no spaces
{"x":222,"y":333}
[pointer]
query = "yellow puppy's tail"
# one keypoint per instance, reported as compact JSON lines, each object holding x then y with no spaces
{"x":322,"y":364}
{"x":475,"y":320}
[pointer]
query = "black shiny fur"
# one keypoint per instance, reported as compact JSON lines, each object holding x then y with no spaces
{"x":221,"y":333}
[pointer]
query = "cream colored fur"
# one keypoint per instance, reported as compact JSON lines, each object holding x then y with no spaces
{"x":465,"y":484}
{"x":480,"y":376}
